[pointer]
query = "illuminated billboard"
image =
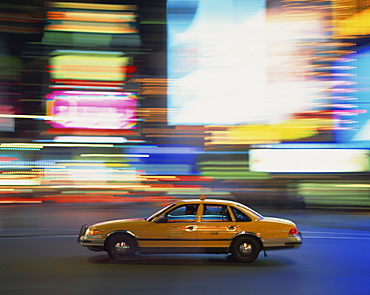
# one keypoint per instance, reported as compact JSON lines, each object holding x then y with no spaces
{"x":351,"y":97}
{"x":239,"y":62}
{"x":250,"y":72}
{"x":91,"y":18}
{"x":91,"y":24}
{"x":309,"y":160}
{"x":104,"y":66}
{"x":92,"y":110}
{"x":350,"y":18}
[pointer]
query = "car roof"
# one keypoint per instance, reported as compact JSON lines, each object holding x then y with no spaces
{"x":207,"y":201}
{"x":217,"y":201}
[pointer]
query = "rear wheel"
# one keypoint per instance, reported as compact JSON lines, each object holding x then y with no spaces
{"x":121,"y":247}
{"x":246,"y":249}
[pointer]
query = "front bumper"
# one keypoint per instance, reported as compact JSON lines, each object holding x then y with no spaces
{"x":89,"y":241}
{"x":82,"y":232}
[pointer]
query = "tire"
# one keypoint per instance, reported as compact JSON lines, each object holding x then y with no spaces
{"x":121,"y":247}
{"x":246,"y":249}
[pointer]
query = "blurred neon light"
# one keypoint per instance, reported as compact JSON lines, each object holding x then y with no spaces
{"x":15,"y":182}
{"x":239,"y":62}
{"x":356,"y":24}
{"x":92,"y":28}
{"x":91,"y":139}
{"x":26,"y":116}
{"x":20,"y":201}
{"x":116,"y":155}
{"x":351,"y":98}
{"x":21,"y":145}
{"x":289,"y":130}
{"x":7,"y":159}
{"x":96,"y":110}
{"x":91,"y":52}
{"x":77,"y":145}
{"x":309,"y":160}
{"x":91,"y":6}
{"x":86,"y":87}
{"x":40,"y":146}
{"x":92,"y":16}
{"x":353,"y":185}
{"x":85,"y":83}
{"x":88,"y":66}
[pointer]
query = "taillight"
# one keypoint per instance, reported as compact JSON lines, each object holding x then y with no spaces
{"x":293,"y":231}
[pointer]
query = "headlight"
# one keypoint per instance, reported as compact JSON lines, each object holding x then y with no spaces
{"x":92,"y":232}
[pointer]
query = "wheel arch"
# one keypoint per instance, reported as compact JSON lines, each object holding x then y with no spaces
{"x":120,"y":232}
{"x":246,"y":234}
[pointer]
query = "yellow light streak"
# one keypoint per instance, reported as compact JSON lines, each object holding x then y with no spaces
{"x":101,"y":186}
{"x":354,"y":185}
{"x":98,"y":165}
{"x":93,"y":28}
{"x":91,"y":6}
{"x":85,"y":16}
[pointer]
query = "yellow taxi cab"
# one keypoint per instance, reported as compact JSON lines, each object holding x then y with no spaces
{"x":193,"y":226}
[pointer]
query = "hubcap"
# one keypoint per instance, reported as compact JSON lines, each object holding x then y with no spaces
{"x":245,"y":249}
{"x":121,"y":248}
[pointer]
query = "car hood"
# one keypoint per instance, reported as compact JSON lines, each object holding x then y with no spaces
{"x":111,"y":223}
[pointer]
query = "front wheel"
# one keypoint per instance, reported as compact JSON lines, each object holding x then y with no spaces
{"x":121,"y":247}
{"x":245,"y":249}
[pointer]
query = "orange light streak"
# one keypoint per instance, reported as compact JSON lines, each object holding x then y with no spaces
{"x":113,"y":29}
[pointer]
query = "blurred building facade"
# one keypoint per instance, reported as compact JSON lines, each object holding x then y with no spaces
{"x":265,"y":102}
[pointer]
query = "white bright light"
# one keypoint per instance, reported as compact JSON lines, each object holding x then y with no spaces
{"x":254,"y":70}
{"x":90,"y":139}
{"x":309,"y":160}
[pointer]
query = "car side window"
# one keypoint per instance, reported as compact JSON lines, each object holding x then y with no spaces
{"x":240,"y":216}
{"x":215,"y":213}
{"x":185,"y":213}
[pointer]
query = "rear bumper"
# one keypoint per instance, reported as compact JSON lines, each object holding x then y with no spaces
{"x":286,"y":246}
{"x":277,"y":244}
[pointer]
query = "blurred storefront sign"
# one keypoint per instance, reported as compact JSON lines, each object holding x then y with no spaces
{"x":309,"y":160}
{"x":96,"y":110}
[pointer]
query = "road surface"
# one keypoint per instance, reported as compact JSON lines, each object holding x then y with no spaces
{"x":39,"y":254}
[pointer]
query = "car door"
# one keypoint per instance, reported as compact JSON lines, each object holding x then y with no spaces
{"x":216,"y":227}
{"x":173,"y":229}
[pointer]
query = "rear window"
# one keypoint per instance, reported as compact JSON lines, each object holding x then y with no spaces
{"x":240,"y":216}
{"x":250,"y":210}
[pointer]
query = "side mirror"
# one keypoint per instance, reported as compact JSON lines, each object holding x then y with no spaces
{"x":161,"y":219}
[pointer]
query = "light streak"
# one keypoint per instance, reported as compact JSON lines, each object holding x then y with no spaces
{"x":116,"y":155}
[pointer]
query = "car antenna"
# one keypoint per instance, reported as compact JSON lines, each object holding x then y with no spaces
{"x":202,"y":197}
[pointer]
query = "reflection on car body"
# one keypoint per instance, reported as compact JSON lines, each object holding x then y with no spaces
{"x":193,"y":226}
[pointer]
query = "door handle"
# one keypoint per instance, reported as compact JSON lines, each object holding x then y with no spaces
{"x":231,"y":228}
{"x":191,"y":228}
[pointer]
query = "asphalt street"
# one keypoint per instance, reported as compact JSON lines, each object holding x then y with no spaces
{"x":39,"y":254}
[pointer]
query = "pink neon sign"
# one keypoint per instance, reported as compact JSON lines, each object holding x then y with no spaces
{"x":92,"y":110}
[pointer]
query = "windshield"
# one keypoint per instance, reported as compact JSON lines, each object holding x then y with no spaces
{"x":156,"y":214}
